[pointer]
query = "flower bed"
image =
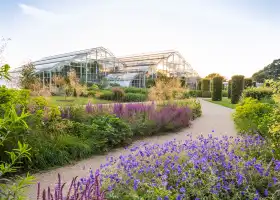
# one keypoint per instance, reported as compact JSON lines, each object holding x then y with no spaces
{"x":202,"y":168}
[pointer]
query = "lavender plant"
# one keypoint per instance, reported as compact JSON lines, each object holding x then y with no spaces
{"x":83,"y":189}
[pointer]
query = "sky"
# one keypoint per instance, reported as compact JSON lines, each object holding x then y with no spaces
{"x":224,"y":36}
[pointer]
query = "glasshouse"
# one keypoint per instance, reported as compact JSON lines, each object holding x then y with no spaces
{"x":93,"y":65}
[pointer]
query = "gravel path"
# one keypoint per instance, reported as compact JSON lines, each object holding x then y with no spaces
{"x":214,"y":117}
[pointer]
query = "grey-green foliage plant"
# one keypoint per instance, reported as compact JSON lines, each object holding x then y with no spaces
{"x":12,"y":188}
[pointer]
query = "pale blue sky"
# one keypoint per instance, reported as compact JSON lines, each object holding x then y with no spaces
{"x":225,"y":36}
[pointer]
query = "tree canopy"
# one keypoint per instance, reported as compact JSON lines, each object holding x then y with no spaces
{"x":271,"y":71}
{"x":212,"y":75}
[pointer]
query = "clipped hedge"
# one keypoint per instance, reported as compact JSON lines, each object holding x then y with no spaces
{"x":205,"y":84}
{"x":135,"y":90}
{"x":229,"y":89}
{"x":237,"y":88}
{"x":217,"y":87}
{"x":134,"y":97}
{"x":258,"y":93}
{"x":248,"y":82}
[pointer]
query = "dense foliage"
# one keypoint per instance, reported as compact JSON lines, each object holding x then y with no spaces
{"x":217,"y":86}
{"x":271,"y":71}
{"x":248,"y":82}
{"x":212,"y":75}
{"x":253,"y":116}
{"x":237,"y":87}
{"x":202,"y":168}
{"x":258,"y":93}
{"x":58,"y":136}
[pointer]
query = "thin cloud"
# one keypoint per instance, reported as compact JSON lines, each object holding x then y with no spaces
{"x":39,"y":13}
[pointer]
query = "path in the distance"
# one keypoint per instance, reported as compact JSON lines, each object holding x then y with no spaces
{"x":214,"y":117}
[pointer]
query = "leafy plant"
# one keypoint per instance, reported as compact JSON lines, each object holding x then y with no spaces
{"x":258,"y":93}
{"x":248,"y":82}
{"x":253,"y":116}
{"x":135,"y":97}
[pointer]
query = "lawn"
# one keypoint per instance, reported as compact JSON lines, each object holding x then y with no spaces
{"x":225,"y":102}
{"x":59,"y":100}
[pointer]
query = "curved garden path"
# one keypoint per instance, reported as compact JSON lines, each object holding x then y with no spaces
{"x":214,"y":118}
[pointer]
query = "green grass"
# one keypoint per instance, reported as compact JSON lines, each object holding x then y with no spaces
{"x":225,"y":102}
{"x":56,"y":100}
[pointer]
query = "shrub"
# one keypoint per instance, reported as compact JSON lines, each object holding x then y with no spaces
{"x":40,"y":102}
{"x":118,"y":94}
{"x":202,"y":168}
{"x":229,"y":88}
{"x":91,"y":93}
{"x":248,"y":82}
{"x":205,"y":85}
{"x":225,"y":93}
{"x":112,"y":129}
{"x":216,"y":91}
{"x":135,"y":97}
{"x":195,"y":93}
{"x":252,"y":116}
{"x":206,"y":94}
{"x":258,"y":93}
{"x":107,"y":95}
{"x":166,"y":89}
{"x":135,"y":90}
{"x":236,"y":88}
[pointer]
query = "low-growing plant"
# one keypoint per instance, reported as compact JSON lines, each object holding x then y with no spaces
{"x":258,"y":93}
{"x":202,"y":168}
{"x":106,"y":94}
{"x":253,"y":116}
{"x":135,"y":90}
{"x":135,"y":97}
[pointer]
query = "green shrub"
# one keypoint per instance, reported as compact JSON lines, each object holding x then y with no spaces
{"x":118,"y":94}
{"x":195,"y":93}
{"x":91,"y":93}
{"x":134,"y":97}
{"x":107,"y":95}
{"x":258,"y":93}
{"x":205,"y":85}
{"x":40,"y":102}
{"x":236,"y":88}
{"x":248,"y":82}
{"x":206,"y":94}
{"x":217,"y":86}
{"x":135,"y":90}
{"x":225,"y":93}
{"x":229,"y":88}
{"x":112,"y":129}
{"x":253,"y":116}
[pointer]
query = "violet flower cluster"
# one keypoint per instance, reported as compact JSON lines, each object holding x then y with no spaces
{"x":83,"y":189}
{"x":199,"y":168}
